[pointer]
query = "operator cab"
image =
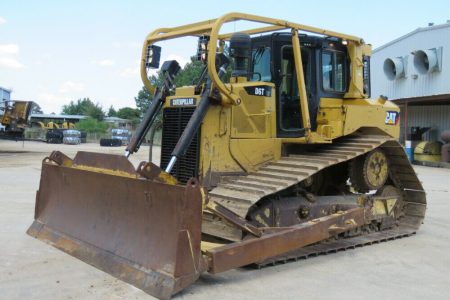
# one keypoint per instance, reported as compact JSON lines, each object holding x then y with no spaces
{"x":326,"y":73}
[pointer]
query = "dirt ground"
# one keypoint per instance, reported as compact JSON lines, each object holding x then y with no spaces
{"x":417,"y":267}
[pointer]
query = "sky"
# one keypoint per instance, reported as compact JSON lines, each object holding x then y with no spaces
{"x":52,"y":52}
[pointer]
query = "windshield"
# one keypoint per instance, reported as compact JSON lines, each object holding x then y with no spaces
{"x":261,"y":64}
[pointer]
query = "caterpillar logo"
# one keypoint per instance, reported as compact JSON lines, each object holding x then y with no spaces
{"x":392,"y":118}
{"x":182,"y":102}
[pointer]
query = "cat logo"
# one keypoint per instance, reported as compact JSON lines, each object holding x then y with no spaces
{"x":392,"y":118}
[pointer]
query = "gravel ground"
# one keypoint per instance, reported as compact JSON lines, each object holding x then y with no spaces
{"x":412,"y":268}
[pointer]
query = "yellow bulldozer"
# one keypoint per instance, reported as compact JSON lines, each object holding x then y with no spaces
{"x":14,"y":117}
{"x":276,"y":153}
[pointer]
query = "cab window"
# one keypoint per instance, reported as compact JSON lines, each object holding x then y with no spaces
{"x":333,"y":71}
{"x":261,"y":65}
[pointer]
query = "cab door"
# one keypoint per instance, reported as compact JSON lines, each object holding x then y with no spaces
{"x":289,"y":114}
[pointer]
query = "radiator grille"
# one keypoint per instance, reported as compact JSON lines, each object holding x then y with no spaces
{"x":174,"y":122}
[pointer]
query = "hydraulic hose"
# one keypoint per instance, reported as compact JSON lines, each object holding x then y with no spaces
{"x":194,"y":122}
{"x":170,"y":69}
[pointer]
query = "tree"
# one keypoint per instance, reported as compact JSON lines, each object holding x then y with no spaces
{"x":187,"y":76}
{"x":143,"y":100}
{"x":92,"y":126}
{"x":95,"y":112}
{"x":36,"y":109}
{"x":73,"y":108}
{"x":190,"y":73}
{"x":129,"y":113}
{"x":112,"y":112}
{"x":84,"y":107}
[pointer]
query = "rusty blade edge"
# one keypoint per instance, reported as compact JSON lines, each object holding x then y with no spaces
{"x":153,"y":282}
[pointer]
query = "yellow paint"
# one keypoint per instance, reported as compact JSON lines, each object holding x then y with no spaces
{"x":240,"y":134}
{"x":356,"y":52}
{"x":67,"y":125}
{"x":377,"y":169}
{"x":339,"y":117}
{"x":214,"y":26}
{"x":261,"y":220}
{"x":428,"y":151}
{"x":301,"y":82}
{"x":255,"y":116}
{"x":244,"y":152}
{"x":204,"y":198}
{"x":215,"y":154}
{"x":383,"y":207}
{"x":207,"y":246}
{"x":390,"y":204}
{"x":104,"y":171}
{"x":379,"y":208}
{"x":230,"y":134}
{"x":370,"y":114}
{"x":17,"y":114}
{"x":167,"y":178}
{"x":428,"y":157}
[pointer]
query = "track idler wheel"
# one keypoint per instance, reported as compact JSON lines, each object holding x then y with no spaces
{"x":369,"y":171}
{"x":390,"y":190}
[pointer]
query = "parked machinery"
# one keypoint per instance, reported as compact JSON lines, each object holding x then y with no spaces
{"x":288,"y":158}
{"x":14,"y":117}
{"x":427,"y":151}
{"x":71,"y":137}
{"x":121,"y":134}
{"x":54,"y":136}
{"x":445,"y":136}
{"x":119,"y":137}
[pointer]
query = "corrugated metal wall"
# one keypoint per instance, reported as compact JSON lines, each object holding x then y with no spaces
{"x":434,"y":83}
{"x":416,"y":84}
{"x":435,"y":116}
{"x":4,"y":95}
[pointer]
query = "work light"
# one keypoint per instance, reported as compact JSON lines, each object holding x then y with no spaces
{"x":153,"y":57}
{"x":202,"y":49}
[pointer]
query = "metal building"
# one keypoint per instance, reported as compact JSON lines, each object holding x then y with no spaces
{"x":5,"y":94}
{"x":58,"y":119}
{"x":414,"y":71}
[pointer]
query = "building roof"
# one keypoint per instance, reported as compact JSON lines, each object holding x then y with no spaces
{"x":420,"y":29}
{"x":8,"y":90}
{"x":115,"y":119}
{"x":79,"y":117}
{"x":57,"y":116}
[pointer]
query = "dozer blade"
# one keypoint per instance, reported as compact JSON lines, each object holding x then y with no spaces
{"x":126,"y":222}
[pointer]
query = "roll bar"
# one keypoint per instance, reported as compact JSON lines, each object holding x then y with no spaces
{"x":212,"y":28}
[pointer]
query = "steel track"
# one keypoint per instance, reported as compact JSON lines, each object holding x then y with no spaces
{"x":334,"y":246}
{"x":241,"y":192}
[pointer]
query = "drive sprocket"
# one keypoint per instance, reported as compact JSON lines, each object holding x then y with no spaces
{"x":369,"y":171}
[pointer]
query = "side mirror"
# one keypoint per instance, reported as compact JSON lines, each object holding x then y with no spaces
{"x":153,"y":57}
